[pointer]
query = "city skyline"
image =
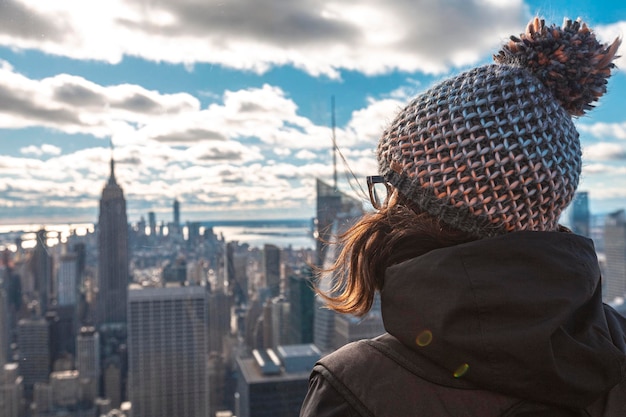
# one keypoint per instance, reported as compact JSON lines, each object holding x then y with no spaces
{"x":226,"y":107}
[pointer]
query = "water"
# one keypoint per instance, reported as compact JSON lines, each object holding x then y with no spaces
{"x":297,"y":237}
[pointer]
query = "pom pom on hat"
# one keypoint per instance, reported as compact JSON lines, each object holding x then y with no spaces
{"x":494,"y":149}
{"x":568,"y":60}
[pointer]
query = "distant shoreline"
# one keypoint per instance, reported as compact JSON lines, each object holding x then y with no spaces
{"x":33,"y":227}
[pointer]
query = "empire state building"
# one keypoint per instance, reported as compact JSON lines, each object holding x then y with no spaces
{"x":113,"y":255}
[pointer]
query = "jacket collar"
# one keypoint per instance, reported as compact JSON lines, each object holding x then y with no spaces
{"x":519,"y":314}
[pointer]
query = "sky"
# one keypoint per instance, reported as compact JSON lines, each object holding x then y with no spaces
{"x":225,"y":105}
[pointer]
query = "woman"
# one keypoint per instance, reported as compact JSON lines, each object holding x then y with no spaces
{"x":491,"y":307}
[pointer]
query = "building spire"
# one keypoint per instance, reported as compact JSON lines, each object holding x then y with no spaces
{"x":112,"y":177}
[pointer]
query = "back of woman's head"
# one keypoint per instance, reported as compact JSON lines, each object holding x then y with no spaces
{"x":490,"y":151}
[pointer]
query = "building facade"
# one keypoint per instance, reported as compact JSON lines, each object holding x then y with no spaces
{"x":168,"y":351}
{"x":615,"y":251}
{"x":580,"y":217}
{"x":113,"y":255}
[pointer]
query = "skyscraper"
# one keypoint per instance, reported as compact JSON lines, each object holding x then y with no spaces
{"x":4,"y":324}
{"x":332,"y":206}
{"x":580,"y":217}
{"x":271,"y":268}
{"x":11,"y":391}
{"x":33,"y":339}
{"x":302,"y":305}
{"x":176,"y":219}
{"x":67,"y":277}
{"x":615,"y":250}
{"x":336,"y":212}
{"x":88,"y":359}
{"x":41,"y":266}
{"x":167,"y":351}
{"x":235,"y":263}
{"x":152,"y":224}
{"x":113,"y":275}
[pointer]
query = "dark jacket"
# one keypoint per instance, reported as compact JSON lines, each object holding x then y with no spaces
{"x":497,"y":327}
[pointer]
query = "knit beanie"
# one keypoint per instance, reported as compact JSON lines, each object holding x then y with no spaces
{"x":494,"y":149}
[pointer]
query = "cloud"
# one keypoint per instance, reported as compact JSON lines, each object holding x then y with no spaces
{"x":604,"y":152}
{"x":44,"y":149}
{"x":319,"y":37}
{"x":605,"y":130}
{"x":604,"y":169}
{"x":72,"y":104}
{"x":306,"y":154}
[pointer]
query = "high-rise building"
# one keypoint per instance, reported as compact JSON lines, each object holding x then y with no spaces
{"x":10,"y":303}
{"x":235,"y":265}
{"x":271,"y":268}
{"x":88,"y":360}
{"x":336,"y":212}
{"x":61,"y":321}
{"x":11,"y":391}
{"x":4,"y":326}
{"x":273,"y":383}
{"x":112,"y":379}
{"x":152,"y":224}
{"x":615,"y":251}
{"x":65,"y":388}
{"x":167,"y":351}
{"x":302,"y":305}
{"x":580,"y":217}
{"x":333,"y":207}
{"x":33,"y":338}
{"x":41,"y":267}
{"x":67,"y":279}
{"x":219,"y":304}
{"x":113,"y":254}
{"x":176,"y":219}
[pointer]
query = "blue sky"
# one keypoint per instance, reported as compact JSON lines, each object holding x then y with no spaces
{"x":226,"y":105}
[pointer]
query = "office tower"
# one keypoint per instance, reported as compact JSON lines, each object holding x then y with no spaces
{"x":279,"y":322}
{"x":67,"y":279}
{"x":302,"y":305}
{"x":332,"y":207}
{"x":580,"y":216}
{"x":152,"y":224}
{"x":235,"y":266}
{"x":113,"y":274}
{"x":41,"y":267}
{"x":176,"y":219}
{"x":4,"y":326}
{"x":88,"y":359}
{"x":193,"y":233}
{"x":336,"y":212}
{"x":112,"y":378}
{"x":11,"y":391}
{"x":10,"y":304}
{"x":615,"y":251}
{"x":62,"y":327}
{"x":273,"y":383}
{"x":219,"y":304}
{"x":271,"y":268}
{"x":65,"y":388}
{"x":167,"y":351}
{"x":33,"y":338}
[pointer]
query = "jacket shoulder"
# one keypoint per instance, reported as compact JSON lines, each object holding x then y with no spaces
{"x":375,"y":379}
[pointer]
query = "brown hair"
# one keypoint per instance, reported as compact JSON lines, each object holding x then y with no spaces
{"x":378,"y":240}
